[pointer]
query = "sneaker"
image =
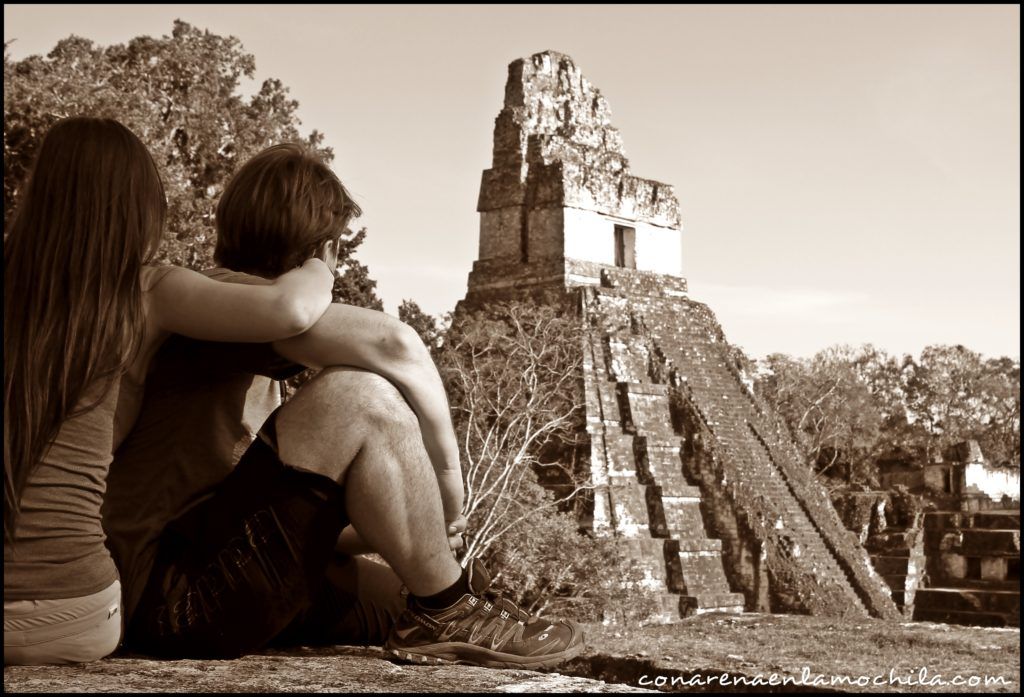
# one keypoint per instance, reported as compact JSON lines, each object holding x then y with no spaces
{"x":482,"y":629}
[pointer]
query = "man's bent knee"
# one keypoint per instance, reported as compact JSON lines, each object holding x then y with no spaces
{"x":352,"y":394}
{"x":333,"y":415}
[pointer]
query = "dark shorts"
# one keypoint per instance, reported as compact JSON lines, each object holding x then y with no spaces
{"x":255,"y":564}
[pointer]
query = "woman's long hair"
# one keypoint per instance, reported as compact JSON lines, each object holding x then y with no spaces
{"x":91,"y":213}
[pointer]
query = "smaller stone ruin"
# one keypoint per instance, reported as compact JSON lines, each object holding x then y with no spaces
{"x":945,"y":536}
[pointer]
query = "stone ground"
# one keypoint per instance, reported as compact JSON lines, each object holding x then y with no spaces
{"x":692,"y":654}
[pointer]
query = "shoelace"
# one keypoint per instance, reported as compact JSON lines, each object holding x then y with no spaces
{"x":491,"y":614}
{"x":506,"y":605}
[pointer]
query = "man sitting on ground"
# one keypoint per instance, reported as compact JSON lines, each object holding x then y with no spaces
{"x":219,"y":559}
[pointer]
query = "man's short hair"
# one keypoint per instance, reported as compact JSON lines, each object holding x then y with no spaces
{"x":278,"y":208}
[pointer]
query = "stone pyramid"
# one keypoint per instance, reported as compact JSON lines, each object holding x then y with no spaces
{"x":697,"y":479}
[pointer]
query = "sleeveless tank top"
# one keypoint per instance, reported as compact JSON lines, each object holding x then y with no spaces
{"x":58,"y":549}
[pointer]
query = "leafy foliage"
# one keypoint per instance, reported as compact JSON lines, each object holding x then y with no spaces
{"x":513,"y":377}
{"x":828,"y":408}
{"x":847,"y":407}
{"x":425,"y":326}
{"x":179,"y":94}
{"x":549,"y":565}
{"x":353,"y":285}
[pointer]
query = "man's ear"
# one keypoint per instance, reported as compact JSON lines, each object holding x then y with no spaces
{"x":328,"y":252}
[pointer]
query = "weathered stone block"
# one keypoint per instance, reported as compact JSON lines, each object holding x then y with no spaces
{"x":964,"y":600}
{"x":628,"y":362}
{"x":658,"y":461}
{"x":979,"y":619}
{"x":892,"y":540}
{"x":890,"y":565}
{"x":621,"y":461}
{"x":939,"y":520}
{"x":500,"y":234}
{"x":992,"y":520}
{"x":993,"y":568}
{"x":982,"y":542}
{"x":629,"y":507}
{"x":950,"y":565}
{"x":683,"y":517}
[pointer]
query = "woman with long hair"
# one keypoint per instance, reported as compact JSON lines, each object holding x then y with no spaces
{"x":82,"y":310}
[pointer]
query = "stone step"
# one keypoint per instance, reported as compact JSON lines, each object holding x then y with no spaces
{"x":710,"y":602}
{"x":892,"y":542}
{"x":629,"y":507}
{"x":954,"y":570}
{"x":899,"y":597}
{"x":977,"y":584}
{"x":990,"y":520}
{"x":678,"y":489}
{"x":977,"y":619}
{"x":695,"y":575}
{"x":679,"y":514}
{"x":644,"y":388}
{"x":890,"y":565}
{"x":667,"y":611}
{"x":895,"y":580}
{"x":683,"y":545}
{"x":973,"y":541}
{"x":968,"y":600}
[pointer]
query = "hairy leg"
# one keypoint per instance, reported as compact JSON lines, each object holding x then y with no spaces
{"x":356,"y":428}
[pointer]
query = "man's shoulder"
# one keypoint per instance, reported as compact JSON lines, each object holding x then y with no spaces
{"x":204,"y":361}
{"x":219,"y":273}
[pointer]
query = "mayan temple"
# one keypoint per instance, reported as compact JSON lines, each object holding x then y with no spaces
{"x":692,"y":473}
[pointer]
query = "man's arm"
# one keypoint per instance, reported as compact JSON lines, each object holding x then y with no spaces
{"x":380,"y":343}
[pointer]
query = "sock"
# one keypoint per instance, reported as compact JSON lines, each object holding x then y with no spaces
{"x":447,"y":597}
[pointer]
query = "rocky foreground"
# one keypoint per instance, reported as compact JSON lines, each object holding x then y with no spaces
{"x":705,"y":653}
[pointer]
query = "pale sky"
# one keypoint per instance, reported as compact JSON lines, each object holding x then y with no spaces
{"x":846,"y":174}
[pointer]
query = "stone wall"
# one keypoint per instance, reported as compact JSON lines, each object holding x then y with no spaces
{"x":890,"y":526}
{"x":559,"y":180}
{"x":955,"y":566}
{"x":972,"y":569}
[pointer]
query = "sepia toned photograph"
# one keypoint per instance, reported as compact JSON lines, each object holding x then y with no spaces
{"x":511,"y":348}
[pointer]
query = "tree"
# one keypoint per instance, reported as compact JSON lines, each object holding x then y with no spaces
{"x":1000,"y":402}
{"x":943,"y":395}
{"x":829,"y":409}
{"x":353,"y":285}
{"x":549,"y":566}
{"x":886,"y":378}
{"x":513,"y":375}
{"x":848,"y":408}
{"x":179,"y":94}
{"x":956,"y":395}
{"x":424,"y":325}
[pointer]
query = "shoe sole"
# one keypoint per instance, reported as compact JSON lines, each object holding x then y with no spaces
{"x":469,"y":654}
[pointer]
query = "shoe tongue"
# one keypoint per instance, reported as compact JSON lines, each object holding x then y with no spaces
{"x":479,"y":580}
